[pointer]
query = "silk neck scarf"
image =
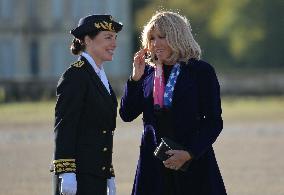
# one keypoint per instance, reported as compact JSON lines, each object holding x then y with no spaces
{"x":163,"y":95}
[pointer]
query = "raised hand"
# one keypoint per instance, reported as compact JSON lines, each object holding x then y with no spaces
{"x":138,"y":64}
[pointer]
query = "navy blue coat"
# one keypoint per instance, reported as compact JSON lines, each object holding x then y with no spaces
{"x":197,"y":123}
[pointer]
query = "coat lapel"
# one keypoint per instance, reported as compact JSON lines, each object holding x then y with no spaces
{"x":113,"y":96}
{"x":184,"y":82}
{"x":148,"y":85}
{"x":183,"y":85}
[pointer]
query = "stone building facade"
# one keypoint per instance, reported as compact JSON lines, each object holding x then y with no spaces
{"x":35,"y":38}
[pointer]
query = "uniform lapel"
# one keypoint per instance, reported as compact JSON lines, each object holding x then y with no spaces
{"x":113,"y":96}
{"x":99,"y":84}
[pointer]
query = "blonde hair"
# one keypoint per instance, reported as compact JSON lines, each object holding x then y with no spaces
{"x":177,"y":31}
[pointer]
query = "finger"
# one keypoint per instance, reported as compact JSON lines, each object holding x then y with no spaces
{"x":137,"y":54}
{"x":142,"y":52}
{"x":170,"y":165}
{"x":171,"y":152}
{"x":138,"y":60}
{"x":172,"y":158}
{"x":169,"y":161}
{"x":142,"y":61}
{"x":139,"y":57}
{"x":167,"y":165}
{"x":166,"y":162}
{"x":143,"y":57}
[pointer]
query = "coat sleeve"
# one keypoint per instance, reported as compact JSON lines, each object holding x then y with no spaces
{"x":210,"y":120}
{"x":70,"y":97}
{"x":131,"y":104}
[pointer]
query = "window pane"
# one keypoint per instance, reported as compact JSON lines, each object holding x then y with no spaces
{"x":76,"y":9}
{"x":34,"y":54}
{"x":6,"y":9}
{"x":61,"y":57}
{"x":57,"y":9}
{"x":7,"y":56}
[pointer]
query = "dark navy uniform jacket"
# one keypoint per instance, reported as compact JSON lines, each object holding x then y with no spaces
{"x":197,"y":120}
{"x":85,"y":120}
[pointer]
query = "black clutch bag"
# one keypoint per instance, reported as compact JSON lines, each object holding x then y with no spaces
{"x":165,"y":145}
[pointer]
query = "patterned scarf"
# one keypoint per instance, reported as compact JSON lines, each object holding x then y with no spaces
{"x":163,"y":95}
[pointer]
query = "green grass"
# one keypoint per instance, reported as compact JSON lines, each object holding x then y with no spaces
{"x":27,"y":112}
{"x":254,"y":109}
{"x":234,"y":109}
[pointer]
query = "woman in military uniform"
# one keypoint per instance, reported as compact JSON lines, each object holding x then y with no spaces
{"x":85,"y":112}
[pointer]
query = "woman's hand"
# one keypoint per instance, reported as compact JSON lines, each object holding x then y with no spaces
{"x":138,"y":65}
{"x":177,"y":159}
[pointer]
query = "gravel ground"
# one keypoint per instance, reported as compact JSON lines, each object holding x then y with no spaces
{"x":249,"y":155}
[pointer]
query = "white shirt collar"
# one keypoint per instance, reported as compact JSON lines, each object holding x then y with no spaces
{"x":92,"y":62}
{"x":100,"y":71}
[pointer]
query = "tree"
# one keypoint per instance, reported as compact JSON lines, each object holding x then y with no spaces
{"x":243,"y":33}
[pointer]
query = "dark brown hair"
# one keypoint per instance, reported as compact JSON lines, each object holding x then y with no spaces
{"x":78,"y":44}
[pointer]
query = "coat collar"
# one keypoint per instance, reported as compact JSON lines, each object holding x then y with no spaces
{"x":183,"y":81}
{"x":182,"y":84}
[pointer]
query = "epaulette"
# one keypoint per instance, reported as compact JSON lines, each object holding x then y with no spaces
{"x":78,"y":64}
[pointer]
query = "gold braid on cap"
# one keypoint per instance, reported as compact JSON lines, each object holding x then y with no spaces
{"x":104,"y":26}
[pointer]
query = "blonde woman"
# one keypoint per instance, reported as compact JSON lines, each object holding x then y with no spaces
{"x":179,"y":97}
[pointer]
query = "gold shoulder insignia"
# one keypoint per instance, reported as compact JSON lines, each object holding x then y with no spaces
{"x":78,"y":64}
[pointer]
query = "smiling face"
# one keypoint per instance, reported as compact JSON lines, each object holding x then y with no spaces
{"x":102,"y":46}
{"x":159,"y":46}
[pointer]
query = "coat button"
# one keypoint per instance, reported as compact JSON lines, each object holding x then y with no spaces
{"x":104,"y":132}
{"x":105,"y":149}
{"x":103,"y":168}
